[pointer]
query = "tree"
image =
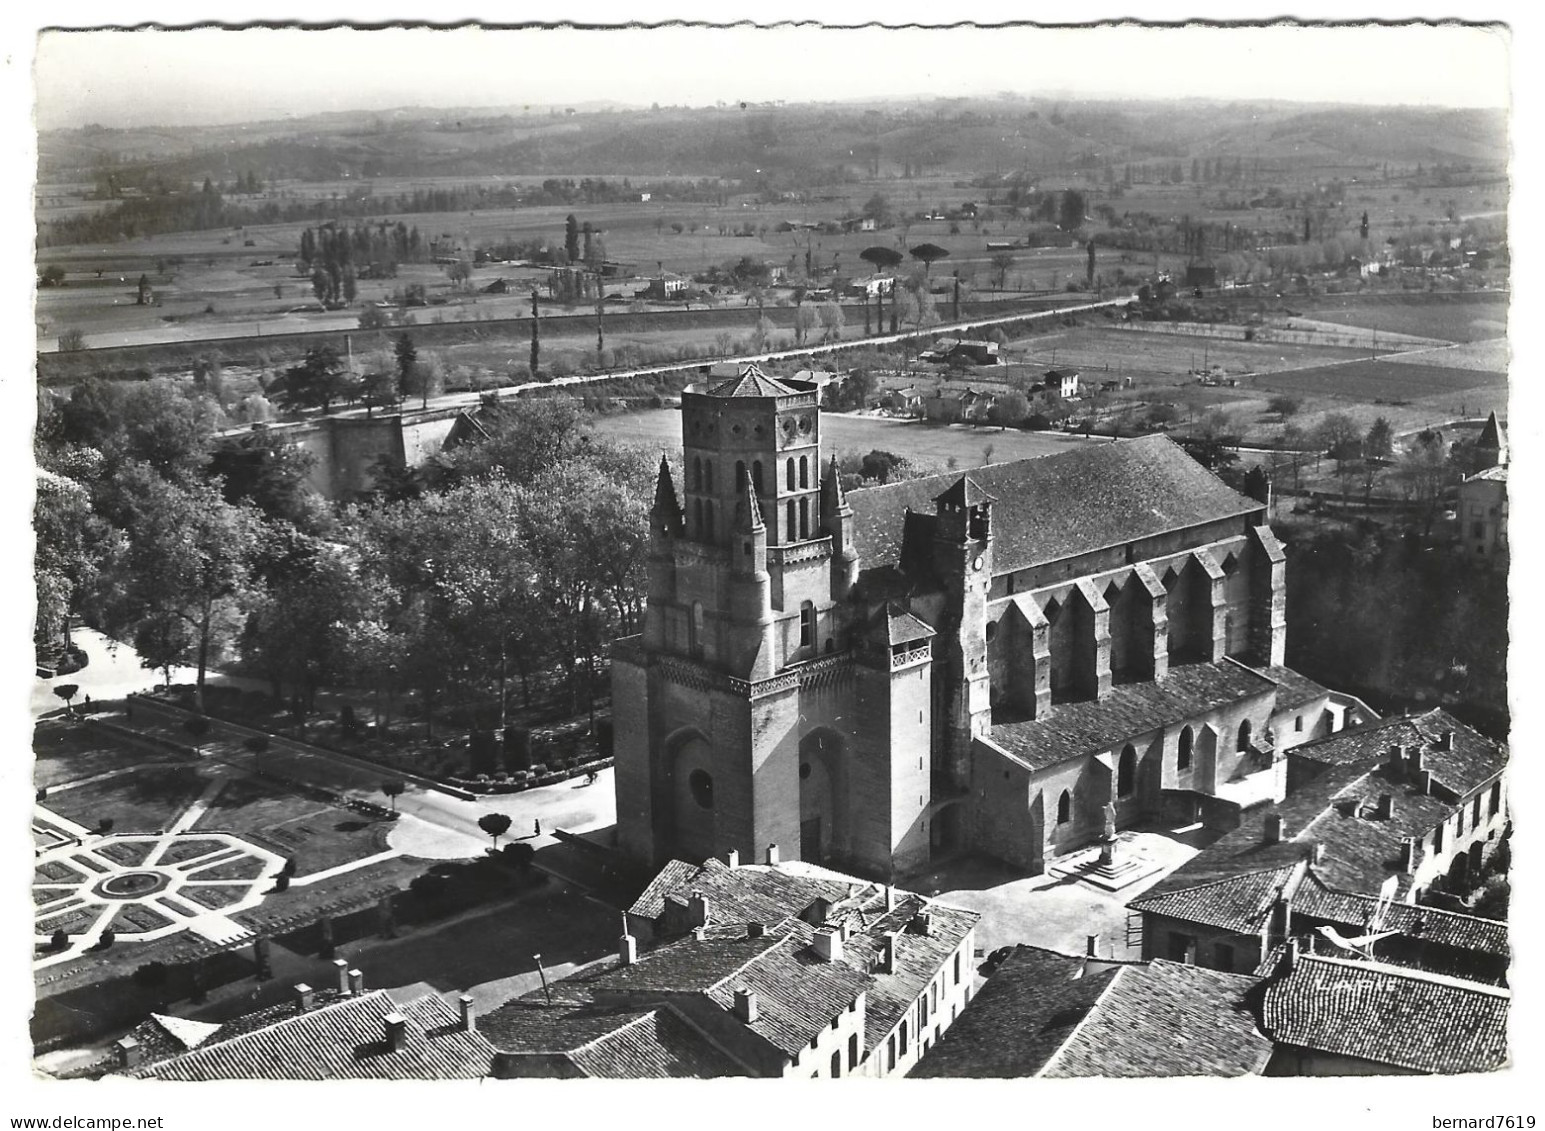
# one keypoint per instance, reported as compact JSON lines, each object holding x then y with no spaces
{"x":257,"y":745}
{"x":832,"y":320}
{"x":67,"y":692}
{"x":393,"y":788}
{"x":495,"y":825}
{"x":878,"y":209}
{"x":536,"y":345}
{"x":1002,"y":263}
{"x":881,"y":258}
{"x":185,"y":573}
{"x":316,"y":382}
{"x":1343,"y":442}
{"x":1284,"y":406}
{"x":71,"y":341}
{"x":928,"y":254}
{"x":1380,"y":440}
{"x":270,"y":471}
{"x":804,"y":322}
{"x":1009,"y":409}
{"x":1071,"y":211}
{"x":571,"y":238}
{"x":51,"y":276}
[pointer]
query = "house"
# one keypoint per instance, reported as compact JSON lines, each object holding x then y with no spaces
{"x":644,"y":197}
{"x":665,"y":286}
{"x":826,"y":382}
{"x":771,"y":970}
{"x":342,"y":1033}
{"x":1201,"y":275}
{"x":872,"y":285}
{"x":1482,"y":513}
{"x":1051,"y":1015}
{"x":907,"y":402}
{"x":497,"y":287}
{"x":1002,"y":245}
{"x":1385,"y":809}
{"x":1347,"y":1015}
{"x":1061,"y":383}
{"x":993,"y":660}
{"x":950,"y":406}
{"x":962,"y":351}
{"x":858,"y":224}
{"x":968,"y":210}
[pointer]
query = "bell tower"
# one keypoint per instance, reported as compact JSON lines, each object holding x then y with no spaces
{"x":962,"y":554}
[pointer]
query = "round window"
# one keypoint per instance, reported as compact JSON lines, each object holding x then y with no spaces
{"x":804,"y":770}
{"x":701,"y":785}
{"x":804,"y":424}
{"x":788,"y":426}
{"x":736,"y":429}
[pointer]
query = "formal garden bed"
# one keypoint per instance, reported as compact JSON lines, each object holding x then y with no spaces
{"x":316,"y":834}
{"x":56,"y":872}
{"x":214,"y":896}
{"x":127,"y":852}
{"x":144,"y":800}
{"x":241,"y":868}
{"x":137,"y":919}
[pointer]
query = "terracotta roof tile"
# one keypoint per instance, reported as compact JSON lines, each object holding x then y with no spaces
{"x":1052,"y":507}
{"x":1402,"y":1018}
{"x":1072,"y":730}
{"x":1241,"y":904}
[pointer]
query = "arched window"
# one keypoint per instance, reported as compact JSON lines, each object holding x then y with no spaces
{"x":695,"y":629}
{"x":756,"y":476}
{"x":806,"y":625}
{"x":1495,"y":801}
{"x":1244,"y":736}
{"x":836,"y":1064}
{"x":740,"y":473}
{"x":804,"y":471}
{"x":697,"y":473}
{"x":804,"y":518}
{"x":701,"y":785}
{"x":1126,"y":773}
{"x":1064,"y":808}
{"x":1183,"y":758}
{"x":903,"y":1038}
{"x":708,"y":475}
{"x":788,"y":531}
{"x":992,"y":630}
{"x":789,"y":475}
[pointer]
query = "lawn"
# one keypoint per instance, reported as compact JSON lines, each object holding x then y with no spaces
{"x":127,"y":852}
{"x":144,"y":800}
{"x":214,"y":896}
{"x":187,"y":848}
{"x":67,"y":751}
{"x":317,"y":834}
{"x":1107,"y":353}
{"x":135,"y":918}
{"x":241,"y":868}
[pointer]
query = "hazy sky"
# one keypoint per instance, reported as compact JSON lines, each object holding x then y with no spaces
{"x":218,"y":75}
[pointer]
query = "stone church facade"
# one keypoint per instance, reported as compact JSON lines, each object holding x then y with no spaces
{"x":985,"y":659}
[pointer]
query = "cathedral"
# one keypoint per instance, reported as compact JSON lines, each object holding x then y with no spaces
{"x":1008,"y":659}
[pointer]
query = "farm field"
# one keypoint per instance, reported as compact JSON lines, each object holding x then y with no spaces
{"x":1490,"y":355}
{"x":655,"y":428}
{"x":1470,"y":392}
{"x":1466,"y":321}
{"x":1117,"y":353}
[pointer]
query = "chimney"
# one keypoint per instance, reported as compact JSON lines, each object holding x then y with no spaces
{"x":468,"y":1016}
{"x":396,"y":1030}
{"x":755,"y":930}
{"x":305,"y":997}
{"x":732,"y":858}
{"x":1317,"y":854}
{"x":772,"y":854}
{"x":1386,"y":807}
{"x":922,"y":923}
{"x":1091,"y":946}
{"x":627,"y":950}
{"x":1397,"y":757}
{"x":1276,"y":829}
{"x":341,"y":965}
{"x":1424,"y":781}
{"x":747,"y":1008}
{"x":697,"y":910}
{"x":888,"y":952}
{"x":356,"y":982}
{"x":1417,"y":760}
{"x":1409,"y":855}
{"x":1291,"y":954}
{"x":890,"y":898}
{"x":129,"y":1052}
{"x":699,"y":933}
{"x":1446,"y":741}
{"x":828,"y":944}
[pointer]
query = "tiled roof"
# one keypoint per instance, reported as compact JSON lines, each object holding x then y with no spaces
{"x":657,"y":1045}
{"x":342,"y":1040}
{"x":1491,"y":435}
{"x":1238,"y":903}
{"x":919,"y":959}
{"x":1167,"y":1019}
{"x":750,"y":893}
{"x":752,"y":382}
{"x":1399,"y":1017}
{"x":1315,"y":900}
{"x":1051,"y":507}
{"x":1333,"y":810}
{"x":798,"y":992}
{"x":901,"y":627}
{"x":1293,"y":690}
{"x":1072,"y":730}
{"x":1019,"y":1018}
{"x":1496,"y":474}
{"x":608,"y":1039}
{"x":964,"y":492}
{"x":651,"y":903}
{"x":1470,"y":762}
{"x":1046,"y":1014}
